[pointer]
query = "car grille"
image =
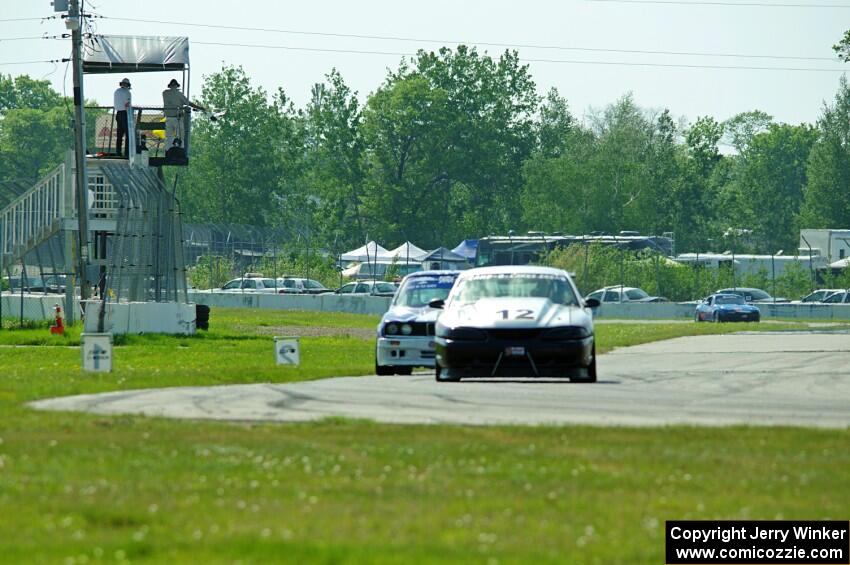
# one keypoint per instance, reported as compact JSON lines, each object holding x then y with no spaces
{"x":418,"y":328}
{"x":514,"y":333}
{"x":422,"y":328}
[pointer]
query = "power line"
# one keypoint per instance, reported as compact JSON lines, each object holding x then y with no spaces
{"x":732,"y":4}
{"x":30,"y":62}
{"x":525,"y":60}
{"x":2,"y":39}
{"x":26,"y":19}
{"x":482,"y":43}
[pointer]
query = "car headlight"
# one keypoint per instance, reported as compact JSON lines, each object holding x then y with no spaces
{"x":569,"y":332}
{"x":391,"y":329}
{"x":406,"y":329}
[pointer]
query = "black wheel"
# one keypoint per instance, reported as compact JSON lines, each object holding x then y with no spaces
{"x":442,"y":377}
{"x":716,"y":318}
{"x":403,"y":370}
{"x":383,"y":370}
{"x":696,"y":317}
{"x":590,"y":375}
{"x":758,"y":319}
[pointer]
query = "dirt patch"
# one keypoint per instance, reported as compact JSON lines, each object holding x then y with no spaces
{"x":311,"y":331}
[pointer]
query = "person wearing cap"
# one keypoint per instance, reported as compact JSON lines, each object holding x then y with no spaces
{"x":173,"y":102}
{"x":123,"y":101}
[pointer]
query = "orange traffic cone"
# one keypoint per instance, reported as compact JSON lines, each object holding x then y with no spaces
{"x":59,"y":326}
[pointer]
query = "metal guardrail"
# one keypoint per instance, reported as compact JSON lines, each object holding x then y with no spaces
{"x":149,"y":122}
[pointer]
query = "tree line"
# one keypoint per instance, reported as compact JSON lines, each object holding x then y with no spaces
{"x":458,"y":144}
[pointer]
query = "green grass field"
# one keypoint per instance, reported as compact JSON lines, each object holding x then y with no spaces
{"x":78,"y":488}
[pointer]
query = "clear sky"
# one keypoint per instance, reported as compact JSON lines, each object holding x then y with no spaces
{"x":805,"y":33}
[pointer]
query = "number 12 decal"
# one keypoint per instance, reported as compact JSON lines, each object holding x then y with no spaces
{"x":518,"y":314}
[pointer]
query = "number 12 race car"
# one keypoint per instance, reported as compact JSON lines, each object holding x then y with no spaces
{"x":515,"y":321}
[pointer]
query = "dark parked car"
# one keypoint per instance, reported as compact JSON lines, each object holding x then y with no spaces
{"x":751,"y":294}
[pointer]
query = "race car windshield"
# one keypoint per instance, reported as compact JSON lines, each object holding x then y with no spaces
{"x":729,"y":300}
{"x":419,"y":291}
{"x":531,"y":285}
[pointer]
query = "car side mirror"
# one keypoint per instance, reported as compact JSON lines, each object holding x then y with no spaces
{"x":437,"y":303}
{"x":592,"y":303}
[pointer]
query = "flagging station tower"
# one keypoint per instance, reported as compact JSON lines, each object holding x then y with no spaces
{"x":133,"y":250}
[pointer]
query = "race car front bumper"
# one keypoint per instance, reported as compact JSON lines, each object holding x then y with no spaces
{"x":514,"y":358}
{"x":732,"y":316}
{"x":416,"y":351}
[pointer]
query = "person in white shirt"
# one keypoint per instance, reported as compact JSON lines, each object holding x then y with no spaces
{"x":123,"y":101}
{"x":173,"y":102}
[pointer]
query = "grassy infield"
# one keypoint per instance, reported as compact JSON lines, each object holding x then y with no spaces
{"x":79,"y":488}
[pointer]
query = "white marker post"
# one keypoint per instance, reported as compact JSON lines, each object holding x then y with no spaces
{"x":97,"y":352}
{"x":286,"y":350}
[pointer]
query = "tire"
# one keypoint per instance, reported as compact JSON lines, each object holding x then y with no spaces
{"x":758,"y":319}
{"x":403,"y":370}
{"x":383,"y":370}
{"x":716,"y":318}
{"x":696,"y":317}
{"x":441,"y":377}
{"x":590,"y":377}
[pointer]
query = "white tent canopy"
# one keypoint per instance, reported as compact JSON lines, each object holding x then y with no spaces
{"x":840,"y":264}
{"x":407,"y":251}
{"x":370,"y":252}
{"x":133,"y":53}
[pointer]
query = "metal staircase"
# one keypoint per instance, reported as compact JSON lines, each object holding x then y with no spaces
{"x":134,"y":225}
{"x":35,"y":216}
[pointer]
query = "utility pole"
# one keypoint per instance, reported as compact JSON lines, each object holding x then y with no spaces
{"x":75,"y":24}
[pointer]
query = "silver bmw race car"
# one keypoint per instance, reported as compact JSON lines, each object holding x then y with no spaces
{"x":515,"y":321}
{"x":406,"y":333}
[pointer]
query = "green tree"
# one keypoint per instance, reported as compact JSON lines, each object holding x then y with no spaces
{"x":458,"y":146}
{"x":842,"y":48}
{"x":554,"y":125}
{"x":696,"y":195}
{"x":25,"y":92}
{"x":772,"y":181}
{"x":334,"y":169}
{"x":558,"y":192}
{"x":740,"y":129}
{"x":35,"y":129}
{"x":235,"y":164}
{"x":825,"y":203}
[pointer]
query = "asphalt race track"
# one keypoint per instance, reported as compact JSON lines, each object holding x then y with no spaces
{"x":798,"y":379}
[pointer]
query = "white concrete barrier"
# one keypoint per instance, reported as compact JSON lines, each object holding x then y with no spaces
{"x":358,"y":304}
{"x":172,"y":318}
{"x":40,"y":307}
{"x":674,"y":310}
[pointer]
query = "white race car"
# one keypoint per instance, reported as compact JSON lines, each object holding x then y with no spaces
{"x":406,"y":332}
{"x":515,"y":321}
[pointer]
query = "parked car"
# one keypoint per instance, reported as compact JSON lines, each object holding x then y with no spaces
{"x":296,"y":285}
{"x":819,"y":295}
{"x":726,"y":308}
{"x":53,"y":284}
{"x":623,"y":294}
{"x":406,"y":332}
{"x":515,"y":321}
{"x":751,"y":294}
{"x":372,"y":288}
{"x":840,"y":297}
{"x":251,"y":285}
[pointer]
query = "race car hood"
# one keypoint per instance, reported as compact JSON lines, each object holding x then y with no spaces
{"x":518,"y":312}
{"x":737,"y":308}
{"x":409,"y":314}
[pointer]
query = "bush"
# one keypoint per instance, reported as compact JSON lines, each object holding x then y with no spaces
{"x":596,"y":266}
